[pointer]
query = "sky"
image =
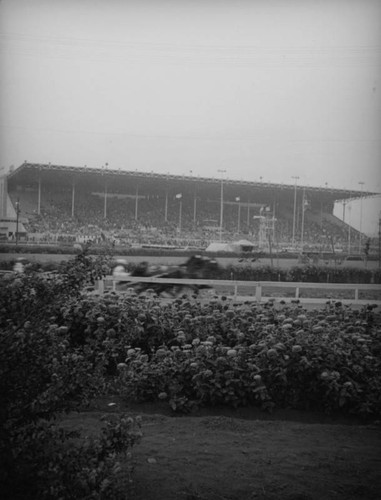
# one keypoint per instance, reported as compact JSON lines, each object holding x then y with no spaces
{"x":268,"y":89}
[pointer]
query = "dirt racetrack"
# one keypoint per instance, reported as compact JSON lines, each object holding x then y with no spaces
{"x":174,"y":260}
{"x":246,"y":455}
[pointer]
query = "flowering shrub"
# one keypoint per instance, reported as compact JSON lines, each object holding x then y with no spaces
{"x":305,"y":273}
{"x":50,"y":462}
{"x":191,"y":352}
{"x":42,"y":375}
{"x":217,"y":353}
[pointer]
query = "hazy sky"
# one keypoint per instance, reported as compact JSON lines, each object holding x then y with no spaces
{"x":259,"y":88}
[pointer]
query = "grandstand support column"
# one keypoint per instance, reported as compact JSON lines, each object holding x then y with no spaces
{"x":294,"y":216}
{"x":349,"y":230}
{"x":238,"y":200}
{"x":39,"y":195}
{"x":180,"y":213}
{"x":360,"y":238}
{"x":248,"y":213}
{"x":3,"y":196}
{"x":379,"y":241}
{"x":166,"y":206}
{"x":136,"y":201}
{"x":17,"y":219}
{"x":303,"y":212}
{"x":72,"y":198}
{"x":222,"y":202}
{"x":105,"y":202}
{"x":194,"y":209}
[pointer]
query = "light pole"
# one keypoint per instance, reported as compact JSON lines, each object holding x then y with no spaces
{"x":294,"y":217}
{"x":360,"y":239}
{"x":222,"y":172}
{"x":238,"y":199}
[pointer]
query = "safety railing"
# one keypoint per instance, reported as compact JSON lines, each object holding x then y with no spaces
{"x":109,"y":283}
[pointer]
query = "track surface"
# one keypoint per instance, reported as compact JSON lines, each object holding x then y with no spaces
{"x":169,"y":260}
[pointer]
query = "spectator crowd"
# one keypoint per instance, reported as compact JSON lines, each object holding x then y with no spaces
{"x":150,"y":220}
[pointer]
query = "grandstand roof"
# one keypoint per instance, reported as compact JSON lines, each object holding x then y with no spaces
{"x":127,"y":182}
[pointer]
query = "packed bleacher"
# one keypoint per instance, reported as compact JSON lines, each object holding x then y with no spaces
{"x":126,"y":220}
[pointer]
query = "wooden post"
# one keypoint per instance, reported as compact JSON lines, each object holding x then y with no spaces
{"x":258,"y":292}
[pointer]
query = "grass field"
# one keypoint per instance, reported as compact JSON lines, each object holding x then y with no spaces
{"x":247,"y":454}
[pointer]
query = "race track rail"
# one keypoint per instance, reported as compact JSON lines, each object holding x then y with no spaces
{"x":109,"y":283}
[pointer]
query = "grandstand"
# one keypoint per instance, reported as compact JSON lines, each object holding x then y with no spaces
{"x":55,"y":203}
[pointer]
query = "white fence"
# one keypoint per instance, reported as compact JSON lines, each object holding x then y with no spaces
{"x":235,"y":288}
